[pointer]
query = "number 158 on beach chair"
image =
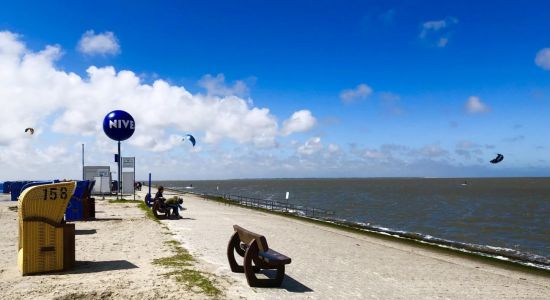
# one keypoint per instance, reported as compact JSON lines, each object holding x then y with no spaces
{"x":46,"y":243}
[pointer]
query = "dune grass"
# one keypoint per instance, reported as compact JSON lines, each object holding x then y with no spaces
{"x":124,"y":201}
{"x":181,"y":263}
{"x":141,"y":204}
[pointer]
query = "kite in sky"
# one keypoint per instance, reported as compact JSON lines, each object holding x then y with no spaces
{"x":497,"y":159}
{"x":190,"y":138}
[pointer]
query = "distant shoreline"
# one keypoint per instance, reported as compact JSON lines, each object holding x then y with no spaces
{"x":349,"y":178}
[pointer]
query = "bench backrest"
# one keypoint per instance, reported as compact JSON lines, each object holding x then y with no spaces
{"x":247,"y":237}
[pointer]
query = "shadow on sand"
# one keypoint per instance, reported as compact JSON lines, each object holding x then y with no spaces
{"x":84,"y":231}
{"x":290,"y":284}
{"x":104,"y":219}
{"x":174,"y":219}
{"x":82,"y":267}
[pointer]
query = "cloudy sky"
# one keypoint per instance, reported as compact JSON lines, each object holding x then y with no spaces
{"x":316,"y":89}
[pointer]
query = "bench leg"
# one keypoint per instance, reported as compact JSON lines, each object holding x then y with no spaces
{"x":233,"y":246}
{"x":250,"y":270}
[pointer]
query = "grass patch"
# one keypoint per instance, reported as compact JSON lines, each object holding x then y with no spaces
{"x":193,"y":278}
{"x":141,"y":204}
{"x":180,"y":263}
{"x":182,"y":258}
{"x":148,"y":211}
{"x":125,"y":201}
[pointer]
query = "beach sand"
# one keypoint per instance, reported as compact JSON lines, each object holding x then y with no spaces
{"x":114,"y":260}
{"x":114,"y":257}
{"x":329,"y":263}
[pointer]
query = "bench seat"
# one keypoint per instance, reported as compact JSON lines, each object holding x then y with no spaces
{"x":271,"y":256}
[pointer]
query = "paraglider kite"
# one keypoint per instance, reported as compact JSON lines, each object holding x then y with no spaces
{"x":497,"y":159}
{"x":30,"y":130}
{"x":190,"y":138}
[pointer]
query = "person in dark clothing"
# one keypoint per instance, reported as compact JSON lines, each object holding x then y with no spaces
{"x":159,"y":195}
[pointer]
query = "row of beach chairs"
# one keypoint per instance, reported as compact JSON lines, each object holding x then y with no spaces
{"x":81,"y":206}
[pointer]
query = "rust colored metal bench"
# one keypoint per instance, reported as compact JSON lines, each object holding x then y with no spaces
{"x":257,"y":256}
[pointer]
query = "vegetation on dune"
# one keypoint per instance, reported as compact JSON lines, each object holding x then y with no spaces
{"x":124,"y":201}
{"x":181,"y":263}
{"x":148,"y":212}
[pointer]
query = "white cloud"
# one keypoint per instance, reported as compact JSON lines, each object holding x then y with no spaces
{"x":34,"y":93}
{"x":369,"y":153}
{"x":475,"y":106}
{"x":438,"y":32}
{"x":333,"y":148}
{"x":543,"y":59}
{"x":216,"y":86}
{"x":442,"y":42}
{"x":390,"y":103}
{"x":433,"y":150}
{"x":362,"y":91}
{"x":300,"y":121}
{"x":101,"y":43}
{"x":311,"y":146}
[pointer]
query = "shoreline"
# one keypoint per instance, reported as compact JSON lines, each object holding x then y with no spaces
{"x":329,"y":262}
{"x":458,"y":248}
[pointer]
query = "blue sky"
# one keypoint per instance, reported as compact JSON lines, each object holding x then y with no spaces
{"x":386,"y":88}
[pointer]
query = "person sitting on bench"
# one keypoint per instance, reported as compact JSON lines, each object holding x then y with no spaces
{"x":158,"y":195}
{"x":174,"y":203}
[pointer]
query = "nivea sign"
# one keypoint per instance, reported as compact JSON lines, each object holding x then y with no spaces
{"x":119,"y":125}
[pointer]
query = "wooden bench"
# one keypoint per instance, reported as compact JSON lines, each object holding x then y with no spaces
{"x":257,"y":256}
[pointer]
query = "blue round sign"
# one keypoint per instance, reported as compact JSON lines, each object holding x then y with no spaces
{"x":119,"y":125}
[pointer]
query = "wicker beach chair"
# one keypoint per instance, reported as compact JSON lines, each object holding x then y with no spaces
{"x":45,"y":243}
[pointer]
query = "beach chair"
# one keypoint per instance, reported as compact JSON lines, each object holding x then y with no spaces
{"x":89,"y":202}
{"x":45,"y":243}
{"x":257,"y":256}
{"x":6,"y":189}
{"x":75,"y":208}
{"x":15,"y":189}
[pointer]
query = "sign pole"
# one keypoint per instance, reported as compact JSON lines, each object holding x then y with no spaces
{"x":119,"y":125}
{"x":134,"y":179}
{"x":119,"y":190}
{"x":83,"y":175}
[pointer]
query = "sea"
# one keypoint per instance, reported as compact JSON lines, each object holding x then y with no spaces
{"x":507,"y":218}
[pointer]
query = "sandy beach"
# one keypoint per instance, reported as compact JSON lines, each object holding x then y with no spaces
{"x":114,"y":256}
{"x":115,"y":253}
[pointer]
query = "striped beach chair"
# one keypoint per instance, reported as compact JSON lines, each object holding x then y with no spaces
{"x":46,"y":244}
